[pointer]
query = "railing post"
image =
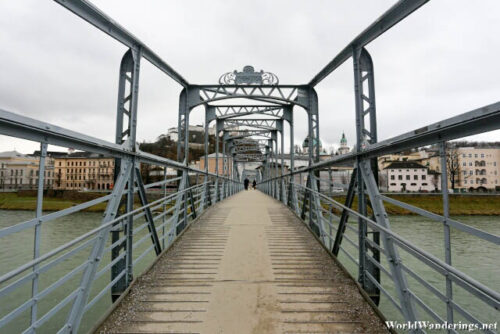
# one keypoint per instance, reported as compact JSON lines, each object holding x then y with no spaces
{"x":38,"y":229}
{"x":446,"y":228}
{"x":76,"y":313}
{"x":393,"y":258}
{"x":292,"y":191}
{"x":164,"y":206}
{"x":217,"y":143}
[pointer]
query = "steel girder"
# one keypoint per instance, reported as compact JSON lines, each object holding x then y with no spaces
{"x":227,"y":112}
{"x":260,"y":123}
{"x":97,"y":18}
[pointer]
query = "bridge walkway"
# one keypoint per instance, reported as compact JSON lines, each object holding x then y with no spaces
{"x":247,"y":266}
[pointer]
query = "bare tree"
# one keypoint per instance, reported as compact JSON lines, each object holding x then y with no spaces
{"x":453,"y":166}
{"x":435,"y":181}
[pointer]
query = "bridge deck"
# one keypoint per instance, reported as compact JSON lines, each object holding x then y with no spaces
{"x":248,"y":266}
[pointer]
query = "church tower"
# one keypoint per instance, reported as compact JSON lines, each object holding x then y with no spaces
{"x":343,"y":149}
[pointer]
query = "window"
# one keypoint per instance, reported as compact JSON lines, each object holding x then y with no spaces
{"x":470,"y":155}
{"x":465,"y":172}
{"x":482,"y":155}
{"x":471,"y":181}
{"x":463,"y":155}
{"x":415,"y":177}
{"x":423,"y":178}
{"x":392,"y":177}
{"x":59,"y":163}
{"x":407,"y":177}
{"x":470,"y":163}
{"x":464,"y":164}
{"x":400,"y":177}
{"x":465,"y":181}
{"x":470,"y":172}
{"x":413,"y":184}
{"x":393,"y":184}
{"x":494,"y":163}
{"x":424,"y":184}
{"x":475,"y":155}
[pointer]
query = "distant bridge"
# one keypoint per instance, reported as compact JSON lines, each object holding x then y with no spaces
{"x":242,"y":262}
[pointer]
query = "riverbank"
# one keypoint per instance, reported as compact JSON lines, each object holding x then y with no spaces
{"x":14,"y":201}
{"x":459,"y":204}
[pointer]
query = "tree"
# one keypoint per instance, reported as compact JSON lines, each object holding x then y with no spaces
{"x":453,"y":166}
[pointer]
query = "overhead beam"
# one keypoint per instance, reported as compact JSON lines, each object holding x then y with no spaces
{"x":103,"y":22}
{"x":391,"y":17}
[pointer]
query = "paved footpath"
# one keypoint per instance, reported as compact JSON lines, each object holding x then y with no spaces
{"x":247,"y":266}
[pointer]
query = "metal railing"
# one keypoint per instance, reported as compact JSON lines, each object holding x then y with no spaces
{"x":381,"y":271}
{"x":30,"y":293}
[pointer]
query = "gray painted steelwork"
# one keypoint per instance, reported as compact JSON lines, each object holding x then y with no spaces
{"x":243,"y":140}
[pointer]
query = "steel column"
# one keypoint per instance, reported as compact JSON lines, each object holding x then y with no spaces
{"x":38,"y":228}
{"x":446,"y":229}
{"x":126,"y":127}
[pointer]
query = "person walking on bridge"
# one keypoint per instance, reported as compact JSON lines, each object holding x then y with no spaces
{"x":246,"y":182}
{"x":254,"y":184}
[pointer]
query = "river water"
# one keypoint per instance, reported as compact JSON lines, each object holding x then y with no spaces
{"x":477,"y":258}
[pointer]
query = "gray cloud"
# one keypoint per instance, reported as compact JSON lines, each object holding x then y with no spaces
{"x":437,"y":63}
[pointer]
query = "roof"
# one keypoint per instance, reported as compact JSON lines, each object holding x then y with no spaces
{"x":80,"y":155}
{"x":305,"y":143}
{"x":404,"y":164}
{"x":343,"y":140}
{"x":12,"y":154}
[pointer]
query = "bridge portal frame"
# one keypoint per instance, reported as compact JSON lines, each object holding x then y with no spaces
{"x":287,"y":96}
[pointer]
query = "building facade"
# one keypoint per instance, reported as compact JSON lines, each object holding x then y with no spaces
{"x":212,"y":163}
{"x":21,"y":171}
{"x":403,"y":176}
{"x":479,"y":168}
{"x":84,"y":171}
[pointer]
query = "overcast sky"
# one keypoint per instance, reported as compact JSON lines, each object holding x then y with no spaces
{"x":439,"y":62}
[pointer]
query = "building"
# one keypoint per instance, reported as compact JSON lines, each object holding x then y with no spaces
{"x":478,"y":168}
{"x":212,"y":163}
{"x":196,"y":134}
{"x":20,"y":171}
{"x":475,"y":168}
{"x":84,"y":171}
{"x":343,"y":149}
{"x":411,"y":176}
{"x":424,"y":157}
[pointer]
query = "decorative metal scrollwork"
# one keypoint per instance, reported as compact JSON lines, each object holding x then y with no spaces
{"x":249,"y":77}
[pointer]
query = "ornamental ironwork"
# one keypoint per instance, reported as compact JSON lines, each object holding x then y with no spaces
{"x":249,"y":77}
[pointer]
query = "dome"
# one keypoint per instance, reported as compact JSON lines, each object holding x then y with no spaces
{"x":343,"y":140}
{"x":305,"y":143}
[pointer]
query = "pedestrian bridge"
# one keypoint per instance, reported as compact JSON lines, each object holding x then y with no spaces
{"x":228,"y":260}
{"x":247,"y":265}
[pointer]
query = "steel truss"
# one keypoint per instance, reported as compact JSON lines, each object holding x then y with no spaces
{"x":261,"y":141}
